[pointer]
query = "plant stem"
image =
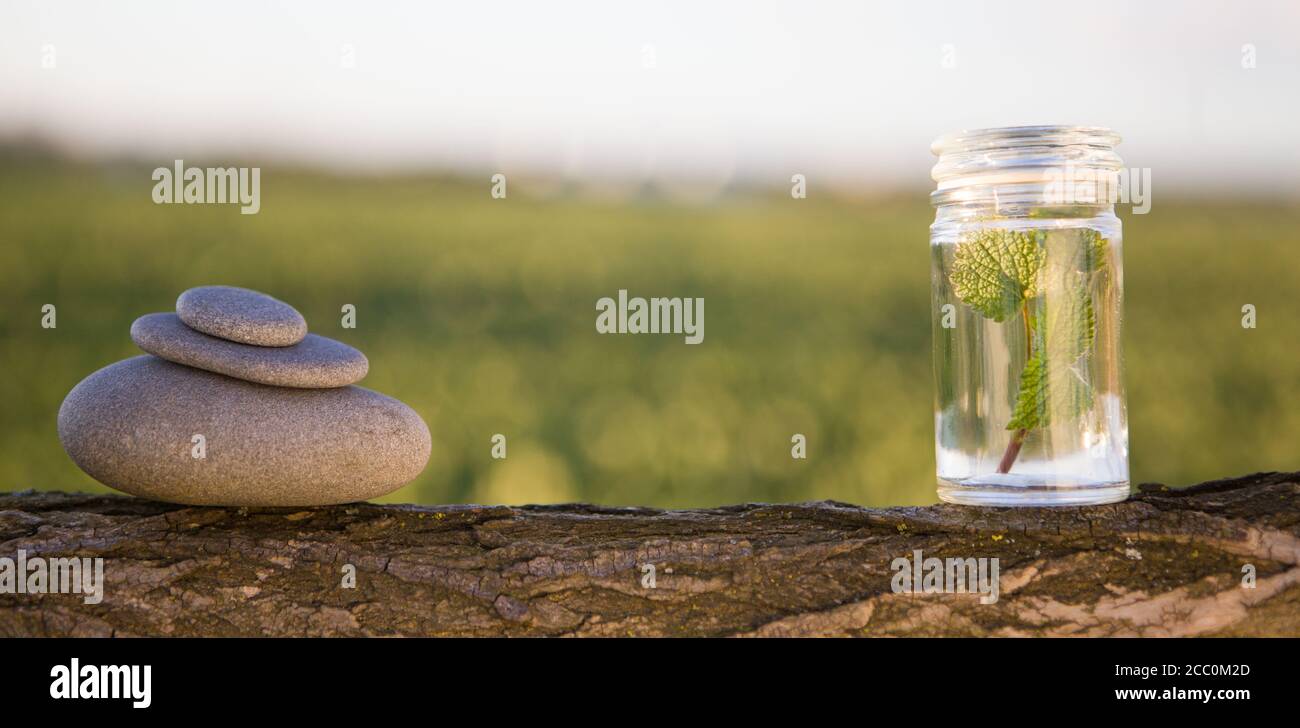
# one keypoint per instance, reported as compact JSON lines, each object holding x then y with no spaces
{"x":1018,"y":438}
{"x":1013,"y":450}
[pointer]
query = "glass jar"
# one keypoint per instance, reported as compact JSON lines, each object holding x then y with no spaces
{"x":1027,"y":291}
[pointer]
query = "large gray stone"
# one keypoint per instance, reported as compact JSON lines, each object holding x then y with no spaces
{"x":132,"y":426}
{"x":315,"y":362}
{"x":239,"y":314}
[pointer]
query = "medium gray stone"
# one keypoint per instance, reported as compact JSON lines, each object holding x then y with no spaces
{"x":131,"y":426}
{"x":314,"y":363}
{"x":239,"y":314}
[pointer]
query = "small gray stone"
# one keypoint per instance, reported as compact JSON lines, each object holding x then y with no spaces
{"x":239,"y":314}
{"x":314,"y":363}
{"x":132,"y":426}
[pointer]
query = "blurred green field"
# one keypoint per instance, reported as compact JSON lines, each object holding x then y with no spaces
{"x":480,"y":314}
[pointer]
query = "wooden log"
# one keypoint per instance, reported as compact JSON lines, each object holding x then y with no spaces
{"x":1220,"y":558}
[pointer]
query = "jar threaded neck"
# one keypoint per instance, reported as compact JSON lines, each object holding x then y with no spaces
{"x":1019,"y":163}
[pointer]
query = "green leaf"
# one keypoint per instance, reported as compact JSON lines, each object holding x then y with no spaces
{"x":1031,"y":402}
{"x":1095,"y":248}
{"x":1067,"y":321}
{"x":1072,"y":250}
{"x":1051,"y":384}
{"x":1048,"y":273}
{"x":994,"y":271}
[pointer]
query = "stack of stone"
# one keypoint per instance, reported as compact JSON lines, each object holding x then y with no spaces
{"x":235,"y":404}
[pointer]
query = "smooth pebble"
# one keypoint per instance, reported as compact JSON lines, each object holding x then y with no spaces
{"x":238,"y":314}
{"x":314,"y":363}
{"x":133,"y":426}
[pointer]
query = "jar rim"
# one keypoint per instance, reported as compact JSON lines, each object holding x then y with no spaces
{"x":1010,"y":137}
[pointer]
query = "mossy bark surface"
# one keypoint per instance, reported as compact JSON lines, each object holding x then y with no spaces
{"x":1166,"y":562}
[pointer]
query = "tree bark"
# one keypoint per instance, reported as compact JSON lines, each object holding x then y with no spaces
{"x":1166,"y":562}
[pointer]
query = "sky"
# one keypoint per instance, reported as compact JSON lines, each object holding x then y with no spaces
{"x":1206,"y":94}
